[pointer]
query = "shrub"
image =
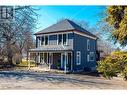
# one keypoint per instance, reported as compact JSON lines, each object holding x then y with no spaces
{"x":114,"y":64}
{"x":24,"y":63}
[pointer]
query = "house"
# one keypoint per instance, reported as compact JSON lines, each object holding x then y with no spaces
{"x":66,"y":46}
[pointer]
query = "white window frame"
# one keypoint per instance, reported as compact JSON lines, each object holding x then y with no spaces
{"x":39,"y":41}
{"x":88,"y":44}
{"x":88,"y":58}
{"x":92,"y":53}
{"x":78,"y":63}
{"x":62,"y":39}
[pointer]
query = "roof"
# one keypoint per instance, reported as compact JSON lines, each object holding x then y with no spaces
{"x":64,"y":25}
{"x":52,"y":48}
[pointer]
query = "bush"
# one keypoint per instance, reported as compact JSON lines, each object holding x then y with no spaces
{"x":24,"y":63}
{"x":113,"y":65}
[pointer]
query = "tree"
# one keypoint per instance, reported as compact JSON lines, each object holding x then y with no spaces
{"x":117,"y":18}
{"x":14,"y":32}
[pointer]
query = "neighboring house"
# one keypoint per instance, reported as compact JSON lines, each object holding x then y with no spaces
{"x":66,"y":46}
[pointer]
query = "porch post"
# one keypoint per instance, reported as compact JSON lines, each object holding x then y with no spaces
{"x":38,"y":57}
{"x":49,"y":57}
{"x":65,"y":62}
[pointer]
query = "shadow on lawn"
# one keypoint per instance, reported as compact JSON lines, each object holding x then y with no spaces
{"x":47,"y":77}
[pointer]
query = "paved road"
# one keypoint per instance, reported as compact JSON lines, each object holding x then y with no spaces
{"x":45,"y":80}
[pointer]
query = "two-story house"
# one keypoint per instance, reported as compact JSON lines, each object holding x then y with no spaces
{"x":67,"y":46}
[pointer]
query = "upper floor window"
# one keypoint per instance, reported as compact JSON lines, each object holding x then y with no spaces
{"x":46,"y":40}
{"x":88,"y":44}
{"x":62,"y":39}
{"x":42,"y":40}
{"x":78,"y":60}
{"x":65,"y":39}
{"x":6,"y":12}
{"x":59,"y":39}
{"x":92,"y":56}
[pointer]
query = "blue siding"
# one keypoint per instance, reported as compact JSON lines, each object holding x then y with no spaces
{"x":80,"y":44}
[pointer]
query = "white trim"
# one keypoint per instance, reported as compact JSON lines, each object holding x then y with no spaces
{"x":47,"y":58}
{"x":88,"y":58}
{"x":83,"y":34}
{"x":76,"y":32}
{"x":65,"y":64}
{"x":93,"y":56}
{"x":78,"y":52}
{"x":54,"y":33}
{"x":57,"y":39}
{"x":38,"y":57}
{"x":48,"y":40}
{"x":43,"y":57}
{"x":67,"y":39}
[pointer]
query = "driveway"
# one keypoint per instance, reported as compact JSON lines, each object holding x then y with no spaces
{"x":46,"y":80}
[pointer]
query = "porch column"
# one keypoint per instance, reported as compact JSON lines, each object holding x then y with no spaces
{"x":50,"y":58}
{"x":65,"y":62}
{"x":38,"y":57}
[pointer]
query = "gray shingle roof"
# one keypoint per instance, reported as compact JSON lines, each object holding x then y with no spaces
{"x":52,"y":48}
{"x":63,"y":26}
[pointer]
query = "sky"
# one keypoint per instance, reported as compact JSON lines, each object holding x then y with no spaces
{"x":49,"y":15}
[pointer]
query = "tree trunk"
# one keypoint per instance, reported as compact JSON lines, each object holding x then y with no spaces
{"x":21,"y":55}
{"x":9,"y":53}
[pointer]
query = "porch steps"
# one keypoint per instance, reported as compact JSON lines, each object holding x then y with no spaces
{"x":43,"y":66}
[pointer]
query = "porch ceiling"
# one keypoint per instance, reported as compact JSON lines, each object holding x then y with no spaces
{"x":51,"y":48}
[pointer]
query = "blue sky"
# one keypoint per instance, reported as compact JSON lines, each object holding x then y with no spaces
{"x":49,"y":15}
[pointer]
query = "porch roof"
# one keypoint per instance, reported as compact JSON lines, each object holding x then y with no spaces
{"x":51,"y":48}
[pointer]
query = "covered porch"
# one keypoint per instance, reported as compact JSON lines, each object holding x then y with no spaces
{"x":60,"y":60}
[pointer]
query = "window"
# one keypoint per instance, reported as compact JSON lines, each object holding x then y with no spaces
{"x":78,"y":60}
{"x":64,"y":39}
{"x":38,"y":41}
{"x":59,"y":39}
{"x":42,"y":40}
{"x":88,"y":58}
{"x":88,"y":44}
{"x":6,"y":12}
{"x":46,"y":40}
{"x":91,"y":56}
